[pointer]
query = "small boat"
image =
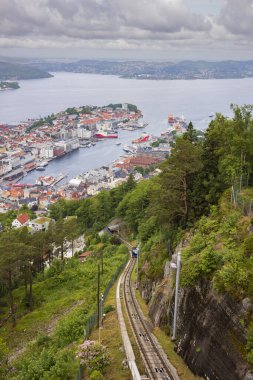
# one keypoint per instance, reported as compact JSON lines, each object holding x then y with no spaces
{"x":128,"y":149}
{"x":40,"y":168}
{"x":143,"y":138}
{"x":211,"y":115}
{"x":44,"y":163}
{"x":118,"y":143}
{"x":142,"y":125}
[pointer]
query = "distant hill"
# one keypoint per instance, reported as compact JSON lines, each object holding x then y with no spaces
{"x":14,"y":71}
{"x":156,"y":70}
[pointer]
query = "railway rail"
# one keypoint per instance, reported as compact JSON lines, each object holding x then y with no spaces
{"x":155,"y":360}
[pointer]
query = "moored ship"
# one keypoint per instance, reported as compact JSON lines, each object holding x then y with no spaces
{"x":177,"y":125}
{"x":171,"y":119}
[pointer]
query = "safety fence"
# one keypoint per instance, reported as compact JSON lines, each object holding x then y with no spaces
{"x":92,"y":321}
{"x":245,"y":205}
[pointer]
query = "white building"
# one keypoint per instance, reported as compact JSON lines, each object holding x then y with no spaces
{"x":22,"y":220}
{"x":40,"y":224}
{"x":27,"y":159}
{"x":83,"y":132}
{"x":92,"y":190}
{"x":104,"y":126}
{"x":5,"y":166}
{"x":68,"y":145}
{"x":47,"y":151}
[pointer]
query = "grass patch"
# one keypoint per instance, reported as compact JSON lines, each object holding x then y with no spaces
{"x":183,"y":371}
{"x":111,"y":338}
{"x":67,"y":299}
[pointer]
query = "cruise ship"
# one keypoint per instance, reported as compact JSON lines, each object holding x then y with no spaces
{"x":106,"y":135}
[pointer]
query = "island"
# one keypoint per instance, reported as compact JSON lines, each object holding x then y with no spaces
{"x":9,"y":86}
{"x":15,"y":71}
{"x":156,"y":70}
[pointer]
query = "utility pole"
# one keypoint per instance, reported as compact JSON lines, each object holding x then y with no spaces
{"x":100,"y":323}
{"x":178,"y":267}
{"x":98,"y":297}
{"x":102,"y":261}
{"x":102,"y":307}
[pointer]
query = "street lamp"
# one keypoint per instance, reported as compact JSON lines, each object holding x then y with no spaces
{"x":176,"y":266}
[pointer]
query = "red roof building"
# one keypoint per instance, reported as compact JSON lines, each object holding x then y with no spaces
{"x":23,"y":218}
{"x":83,"y":256}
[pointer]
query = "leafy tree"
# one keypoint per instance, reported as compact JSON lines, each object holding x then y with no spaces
{"x":10,"y":261}
{"x":191,"y":133}
{"x":130,"y":183}
{"x":134,"y":204}
{"x":176,"y":181}
{"x":227,"y":152}
{"x":72,"y":231}
{"x":59,"y":235}
{"x":7,"y":218}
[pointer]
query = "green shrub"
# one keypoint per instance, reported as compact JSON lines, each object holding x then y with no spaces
{"x":56,"y":267}
{"x":3,"y":358}
{"x":43,"y":340}
{"x":122,"y":250}
{"x":108,"y":309}
{"x":48,"y":364}
{"x":147,"y":228}
{"x":96,"y":375}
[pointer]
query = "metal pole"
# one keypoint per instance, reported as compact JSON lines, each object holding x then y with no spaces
{"x":137,"y":270}
{"x":176,"y":296}
{"x":102,"y":313}
{"x":102,"y":261}
{"x":98,"y":297}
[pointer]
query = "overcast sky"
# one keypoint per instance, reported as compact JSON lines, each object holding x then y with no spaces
{"x":133,"y":29}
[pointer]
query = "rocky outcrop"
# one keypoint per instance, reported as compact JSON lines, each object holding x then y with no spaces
{"x":211,"y":332}
{"x":211,"y":336}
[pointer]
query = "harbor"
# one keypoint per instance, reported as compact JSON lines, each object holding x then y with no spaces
{"x":31,"y":145}
{"x":140,"y":157}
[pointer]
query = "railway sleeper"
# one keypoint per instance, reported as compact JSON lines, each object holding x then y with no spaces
{"x":159,"y":369}
{"x":146,"y":338}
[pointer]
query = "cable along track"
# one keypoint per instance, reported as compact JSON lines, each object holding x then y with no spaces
{"x":156,"y":363}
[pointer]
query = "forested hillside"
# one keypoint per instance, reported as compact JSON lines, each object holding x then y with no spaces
{"x":202,"y":197}
{"x":14,"y":71}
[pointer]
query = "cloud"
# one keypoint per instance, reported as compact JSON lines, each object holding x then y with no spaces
{"x":100,"y":19}
{"x":237,"y":17}
{"x":196,"y":26}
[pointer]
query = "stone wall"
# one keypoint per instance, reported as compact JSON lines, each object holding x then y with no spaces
{"x":211,"y":334}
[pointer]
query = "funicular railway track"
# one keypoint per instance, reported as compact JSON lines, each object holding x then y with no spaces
{"x":157,"y":365}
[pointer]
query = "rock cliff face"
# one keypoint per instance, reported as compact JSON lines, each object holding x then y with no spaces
{"x":210,"y":330}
